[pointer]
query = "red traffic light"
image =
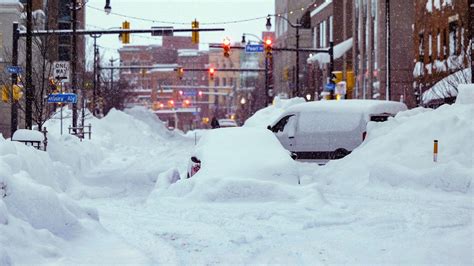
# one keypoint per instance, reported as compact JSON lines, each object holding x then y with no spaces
{"x":211,"y":70}
{"x":268,"y":42}
{"x":226,"y":42}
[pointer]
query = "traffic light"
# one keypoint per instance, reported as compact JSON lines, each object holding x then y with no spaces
{"x":211,"y":73}
{"x":336,"y":76}
{"x":268,"y":48}
{"x":17,"y":93}
{"x":226,"y":46}
{"x":170,"y":103}
{"x":125,"y":36}
{"x":186,"y":103}
{"x":52,"y":85}
{"x":195,"y":34}
{"x":180,"y":72}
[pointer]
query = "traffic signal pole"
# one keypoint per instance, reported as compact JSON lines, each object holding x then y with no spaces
{"x":14,"y":107}
{"x":30,"y":33}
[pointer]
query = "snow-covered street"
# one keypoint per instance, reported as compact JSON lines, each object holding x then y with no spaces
{"x":116,"y":199}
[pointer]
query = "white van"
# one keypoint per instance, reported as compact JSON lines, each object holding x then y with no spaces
{"x":325,"y":130}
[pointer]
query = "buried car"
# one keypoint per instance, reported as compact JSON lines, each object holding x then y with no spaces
{"x":242,"y":153}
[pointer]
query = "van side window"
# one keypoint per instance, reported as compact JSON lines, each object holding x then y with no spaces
{"x":281,"y":124}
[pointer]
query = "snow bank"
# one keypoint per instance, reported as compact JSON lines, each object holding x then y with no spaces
{"x":466,"y":94}
{"x":268,"y":115}
{"x":399,"y":153}
{"x":238,"y":164}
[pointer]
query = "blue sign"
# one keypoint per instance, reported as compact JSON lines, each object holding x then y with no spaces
{"x":62,"y":98}
{"x":189,"y":93}
{"x":330,"y":86}
{"x":254,"y":48}
{"x":14,"y":69}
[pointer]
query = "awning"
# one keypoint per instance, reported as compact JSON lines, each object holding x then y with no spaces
{"x":339,"y":51}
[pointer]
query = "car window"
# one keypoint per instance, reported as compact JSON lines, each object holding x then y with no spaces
{"x":290,"y":126}
{"x":281,"y":124}
{"x":380,"y":117}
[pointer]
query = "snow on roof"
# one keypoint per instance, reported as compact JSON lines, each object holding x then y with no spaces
{"x":339,"y":50}
{"x":465,"y":94}
{"x":354,"y":106}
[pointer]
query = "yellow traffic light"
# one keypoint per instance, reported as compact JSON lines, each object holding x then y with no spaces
{"x":125,"y":36}
{"x":337,"y":76}
{"x":17,"y":93}
{"x":195,"y":34}
{"x":180,"y":72}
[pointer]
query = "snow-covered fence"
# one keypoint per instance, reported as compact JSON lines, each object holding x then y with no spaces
{"x":81,"y":131}
{"x":36,"y":139}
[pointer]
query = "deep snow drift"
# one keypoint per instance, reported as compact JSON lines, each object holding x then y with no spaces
{"x":117,"y":198}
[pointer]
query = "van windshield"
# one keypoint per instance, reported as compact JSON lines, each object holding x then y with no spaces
{"x":328,"y":122}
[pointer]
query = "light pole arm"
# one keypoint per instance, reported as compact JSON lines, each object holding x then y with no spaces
{"x":297,"y":25}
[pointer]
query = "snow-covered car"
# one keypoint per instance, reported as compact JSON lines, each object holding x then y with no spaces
{"x":227,"y":123}
{"x":242,"y":153}
{"x":325,"y":130}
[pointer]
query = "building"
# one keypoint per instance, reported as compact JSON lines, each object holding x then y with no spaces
{"x":441,"y":41}
{"x":284,"y":71}
{"x":331,"y":21}
{"x":9,"y":11}
{"x":223,"y":85}
{"x":383,"y":50}
{"x":180,"y":99}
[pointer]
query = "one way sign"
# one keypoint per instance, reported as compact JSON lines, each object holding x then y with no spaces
{"x":61,"y":70}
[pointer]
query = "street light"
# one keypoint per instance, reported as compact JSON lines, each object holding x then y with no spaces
{"x":297,"y":26}
{"x":107,"y":7}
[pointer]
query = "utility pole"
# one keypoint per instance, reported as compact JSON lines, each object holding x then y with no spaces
{"x":267,"y":88}
{"x":297,"y":26}
{"x":14,"y":107}
{"x":73,"y":62}
{"x":94,"y":91}
{"x":29,"y":67}
{"x":387,"y":49}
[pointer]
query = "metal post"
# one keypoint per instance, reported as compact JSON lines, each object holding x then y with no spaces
{"x":331,"y":63}
{"x":29,"y":68}
{"x":471,"y":18}
{"x":297,"y":59}
{"x":267,"y":88}
{"x":94,"y":91}
{"x":14,"y":107}
{"x":387,"y":48}
{"x":73,"y":63}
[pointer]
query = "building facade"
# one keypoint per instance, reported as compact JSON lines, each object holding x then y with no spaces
{"x":284,"y":62}
{"x":441,"y":40}
{"x":383,"y":50}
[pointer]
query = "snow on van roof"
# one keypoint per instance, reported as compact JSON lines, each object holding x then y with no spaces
{"x":361,"y":106}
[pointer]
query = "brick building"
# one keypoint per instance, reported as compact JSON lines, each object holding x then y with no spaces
{"x":284,"y":62}
{"x":441,"y":40}
{"x":222,"y":88}
{"x":373,"y":56}
{"x":156,"y":88}
{"x":330,"y":21}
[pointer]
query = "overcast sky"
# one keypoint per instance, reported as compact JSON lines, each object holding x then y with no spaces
{"x":179,"y":11}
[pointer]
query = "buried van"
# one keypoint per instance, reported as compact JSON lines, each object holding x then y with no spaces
{"x":326,"y":130}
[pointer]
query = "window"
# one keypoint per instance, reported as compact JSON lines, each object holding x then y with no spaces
{"x":216,"y":82}
{"x":281,"y":124}
{"x":452,"y":38}
{"x":224,"y":82}
{"x":331,"y":28}
{"x":315,"y":37}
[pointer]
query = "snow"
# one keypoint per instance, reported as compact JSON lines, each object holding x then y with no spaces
{"x":465,"y":94}
{"x":25,"y":134}
{"x":119,"y":199}
{"x":339,"y":50}
{"x":267,"y":115}
{"x":447,"y":87}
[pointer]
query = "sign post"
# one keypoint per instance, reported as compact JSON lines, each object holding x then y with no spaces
{"x":62,"y":98}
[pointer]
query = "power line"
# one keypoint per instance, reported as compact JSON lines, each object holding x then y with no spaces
{"x":179,"y":23}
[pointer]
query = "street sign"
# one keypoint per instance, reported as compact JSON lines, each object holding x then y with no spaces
{"x":330,"y":86}
{"x":62,"y":98}
{"x":14,"y":69}
{"x":254,"y":48}
{"x":61,"y":70}
{"x":189,"y":93}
